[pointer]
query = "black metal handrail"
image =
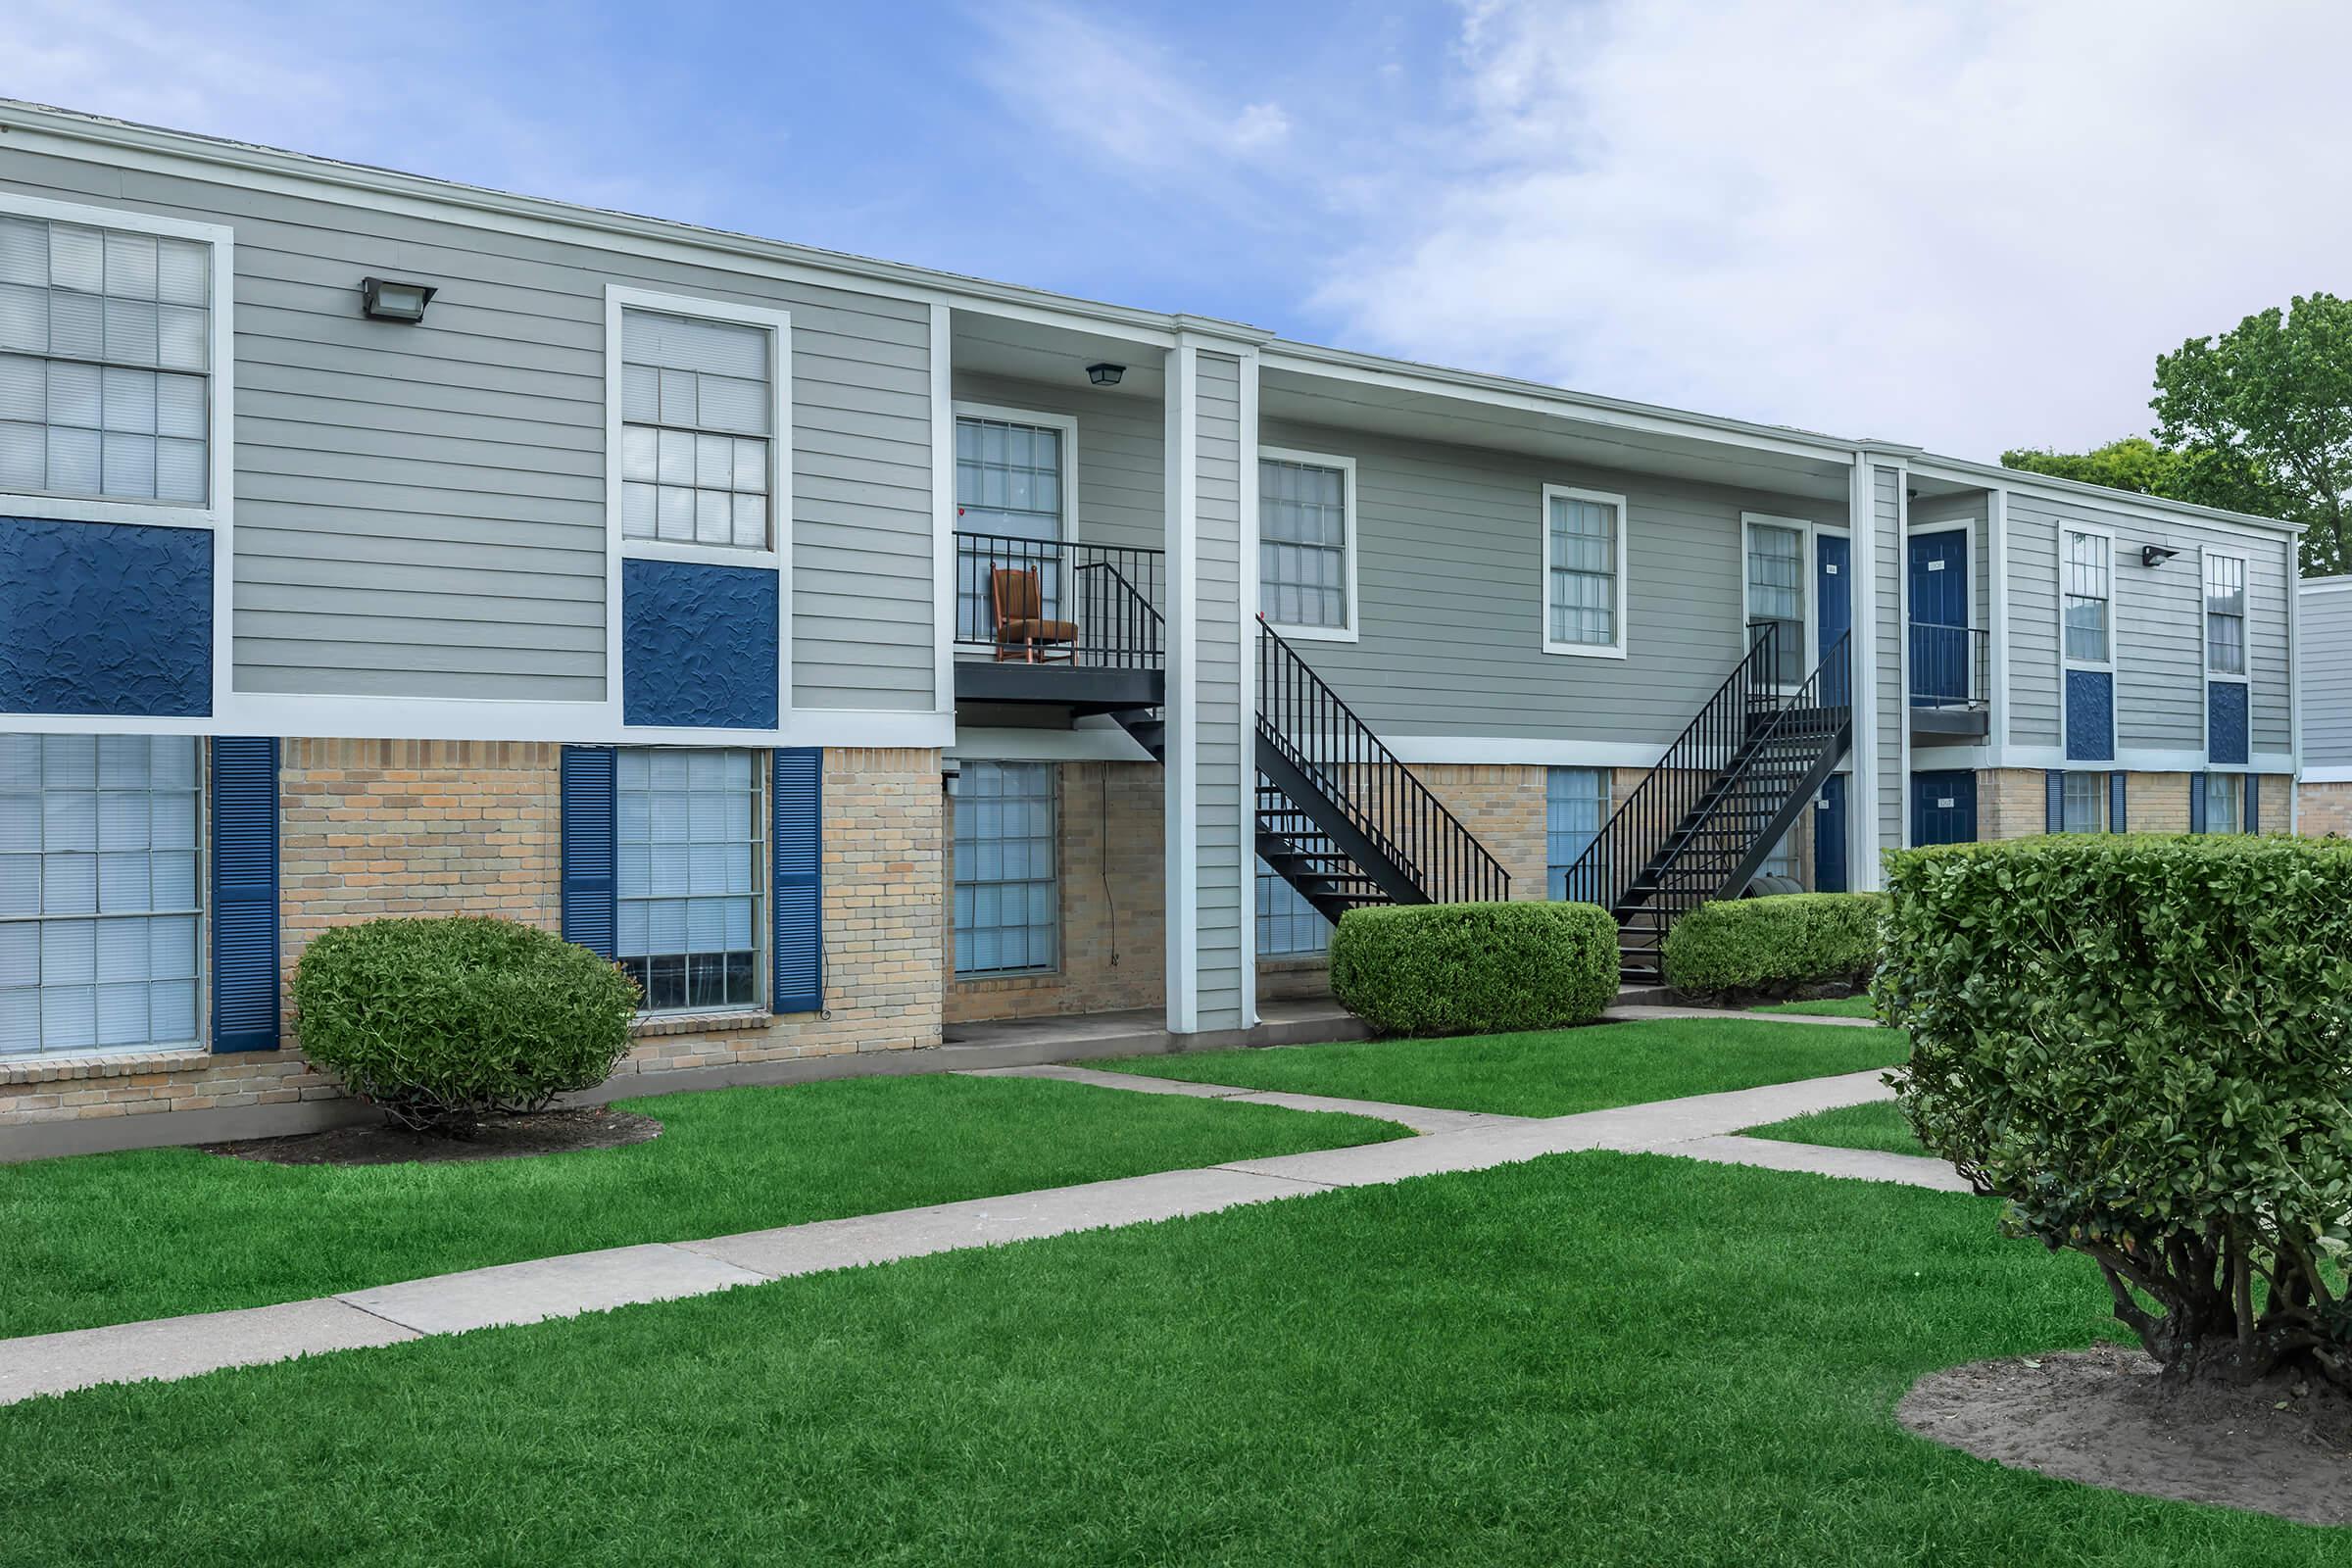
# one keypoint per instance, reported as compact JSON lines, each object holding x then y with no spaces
{"x":1950,"y":666}
{"x":1321,"y":736}
{"x":1109,"y":594}
{"x":1637,"y":830}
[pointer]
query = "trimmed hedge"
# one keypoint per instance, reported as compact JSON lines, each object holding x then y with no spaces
{"x":440,"y":1021}
{"x":1474,"y":968}
{"x":1773,"y":946}
{"x":2144,"y":1044}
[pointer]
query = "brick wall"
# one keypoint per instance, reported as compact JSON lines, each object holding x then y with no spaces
{"x":375,"y":828}
{"x":2322,"y":809}
{"x":2012,"y":803}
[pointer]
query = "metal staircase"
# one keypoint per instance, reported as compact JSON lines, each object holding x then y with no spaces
{"x":1339,"y":816}
{"x":1709,"y":816}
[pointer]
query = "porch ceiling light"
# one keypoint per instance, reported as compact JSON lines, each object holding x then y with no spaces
{"x":383,"y":299}
{"x":1106,"y":374}
{"x":2156,"y":555}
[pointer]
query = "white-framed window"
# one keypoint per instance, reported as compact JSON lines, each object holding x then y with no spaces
{"x":2224,"y":615}
{"x":1774,"y":571}
{"x":1576,"y":803}
{"x":1016,"y":500}
{"x":114,"y":381}
{"x":101,"y":893}
{"x":1584,"y":572}
{"x":2083,"y":803}
{"x":699,"y":415}
{"x":1287,"y":924}
{"x":2087,"y":577}
{"x":1307,"y":543}
{"x":2225,"y":803}
{"x":691,"y":878}
{"x":1007,"y":898}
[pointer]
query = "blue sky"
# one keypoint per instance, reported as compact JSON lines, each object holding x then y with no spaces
{"x":1970,"y":225}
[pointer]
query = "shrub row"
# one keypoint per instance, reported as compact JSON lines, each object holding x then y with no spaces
{"x":1773,"y":945}
{"x":1474,"y":968}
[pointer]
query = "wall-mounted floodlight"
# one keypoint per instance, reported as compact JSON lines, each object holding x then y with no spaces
{"x":2156,"y":555}
{"x":1106,"y":374}
{"x":383,"y":299}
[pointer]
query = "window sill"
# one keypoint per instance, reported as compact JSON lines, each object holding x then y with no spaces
{"x":1581,"y":650}
{"x":57,"y":1069}
{"x":661,"y":1025}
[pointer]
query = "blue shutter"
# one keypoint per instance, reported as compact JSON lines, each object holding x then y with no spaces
{"x":2115,"y":804}
{"x":2253,"y":803}
{"x":588,"y":848}
{"x":2196,"y":802}
{"x":245,"y":953}
{"x":798,"y":893}
{"x":2056,"y":782}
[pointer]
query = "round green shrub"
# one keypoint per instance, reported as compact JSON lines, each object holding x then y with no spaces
{"x":440,"y":1021}
{"x":1474,"y":968}
{"x":1773,"y":946}
{"x":2145,"y":1045}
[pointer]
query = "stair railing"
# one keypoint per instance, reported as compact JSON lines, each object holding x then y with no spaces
{"x":1676,"y":787}
{"x":1321,"y":736}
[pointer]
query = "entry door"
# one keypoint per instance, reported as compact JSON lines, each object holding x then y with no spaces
{"x":1828,"y":835}
{"x":1940,"y":639}
{"x":1833,"y":594}
{"x":1943,"y":807}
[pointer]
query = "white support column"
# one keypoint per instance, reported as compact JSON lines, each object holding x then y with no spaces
{"x":1180,"y":768}
{"x":1862,"y":806}
{"x":1996,"y":524}
{"x":943,"y":512}
{"x":1247,"y":586}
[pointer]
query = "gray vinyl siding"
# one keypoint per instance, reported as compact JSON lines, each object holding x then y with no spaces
{"x":1225,"y":732}
{"x":2159,"y":626}
{"x":1449,"y":574}
{"x":1122,"y":454}
{"x":1886,"y":578}
{"x":2328,"y":677}
{"x":420,"y":511}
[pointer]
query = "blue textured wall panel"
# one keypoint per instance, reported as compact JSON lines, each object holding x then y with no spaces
{"x":2090,"y":716}
{"x":698,"y":645}
{"x":105,"y":617}
{"x":2225,"y":722}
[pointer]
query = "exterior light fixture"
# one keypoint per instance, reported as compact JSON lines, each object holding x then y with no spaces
{"x":2156,"y":555}
{"x":1106,"y":374}
{"x":381,"y":298}
{"x":951,"y":779}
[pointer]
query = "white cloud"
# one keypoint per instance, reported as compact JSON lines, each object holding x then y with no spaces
{"x":1971,"y":226}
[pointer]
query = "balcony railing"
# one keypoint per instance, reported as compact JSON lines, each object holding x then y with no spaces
{"x":1951,"y":666}
{"x":1109,"y":595}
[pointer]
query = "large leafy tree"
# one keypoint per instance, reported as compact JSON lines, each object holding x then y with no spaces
{"x":2133,"y":463}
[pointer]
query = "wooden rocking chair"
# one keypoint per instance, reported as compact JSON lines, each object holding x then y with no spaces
{"x":1023,"y":632}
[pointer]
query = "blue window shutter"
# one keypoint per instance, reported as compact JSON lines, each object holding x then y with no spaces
{"x":2115,"y":804}
{"x":2196,"y":802}
{"x":2253,"y":803}
{"x":588,"y":848}
{"x":245,"y":952}
{"x":799,"y":894}
{"x":2056,"y":781}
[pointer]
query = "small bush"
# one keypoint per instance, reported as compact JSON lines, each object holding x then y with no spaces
{"x":440,"y":1021}
{"x":1772,"y":946}
{"x":1474,"y":968}
{"x":2144,"y":1044}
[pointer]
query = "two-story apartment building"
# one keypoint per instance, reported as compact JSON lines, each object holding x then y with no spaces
{"x":853,"y":650}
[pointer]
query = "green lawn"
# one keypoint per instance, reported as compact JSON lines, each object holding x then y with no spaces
{"x":1594,"y":1358}
{"x":1827,"y":1007}
{"x":114,"y":1238}
{"x":1878,"y":1125}
{"x":1554,"y":1073}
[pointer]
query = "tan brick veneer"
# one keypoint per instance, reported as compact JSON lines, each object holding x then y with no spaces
{"x":2322,"y":809}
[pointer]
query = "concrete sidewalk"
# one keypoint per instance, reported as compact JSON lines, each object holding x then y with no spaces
{"x":1699,"y":1126}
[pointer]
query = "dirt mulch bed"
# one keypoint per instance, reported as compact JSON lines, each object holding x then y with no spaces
{"x":2103,"y":1417}
{"x":546,"y":1132}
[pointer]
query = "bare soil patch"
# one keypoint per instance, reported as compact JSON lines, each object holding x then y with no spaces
{"x":546,"y":1132}
{"x":2104,"y":1417}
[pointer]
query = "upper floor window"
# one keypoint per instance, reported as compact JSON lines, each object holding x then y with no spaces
{"x":105,"y":361}
{"x":2225,"y":615}
{"x":1584,"y":572}
{"x":1013,"y":503}
{"x":699,"y":399}
{"x":1307,"y":542}
{"x":1775,"y":595}
{"x":2087,"y":573}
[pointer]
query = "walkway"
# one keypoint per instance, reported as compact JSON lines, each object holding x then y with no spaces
{"x":1700,"y":1127}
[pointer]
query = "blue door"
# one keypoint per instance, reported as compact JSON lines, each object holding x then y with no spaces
{"x":1939,"y":638}
{"x":1943,"y":807}
{"x":1834,"y":595}
{"x":1828,"y":835}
